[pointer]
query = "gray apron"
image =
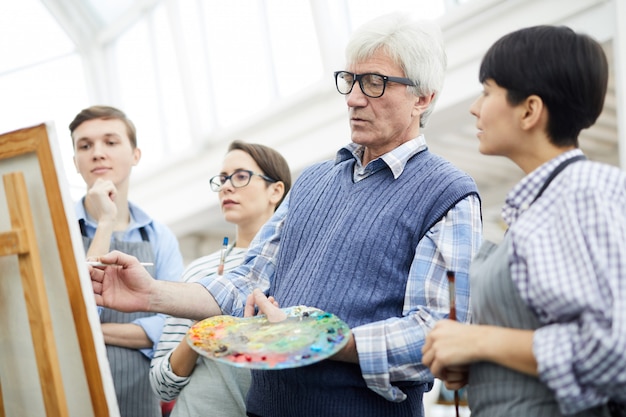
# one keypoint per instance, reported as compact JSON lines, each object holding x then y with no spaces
{"x":494,"y":390}
{"x":130,"y":368}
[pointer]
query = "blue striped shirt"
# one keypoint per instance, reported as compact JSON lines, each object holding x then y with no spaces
{"x":385,"y":346}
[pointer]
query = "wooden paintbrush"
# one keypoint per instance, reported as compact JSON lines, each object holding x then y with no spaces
{"x":452,"y":316}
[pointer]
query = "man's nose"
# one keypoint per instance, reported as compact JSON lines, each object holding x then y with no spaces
{"x":97,"y":151}
{"x":356,"y":97}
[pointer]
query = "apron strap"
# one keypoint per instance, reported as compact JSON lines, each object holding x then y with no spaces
{"x":556,"y":172}
{"x":81,"y":224}
{"x":144,"y":234}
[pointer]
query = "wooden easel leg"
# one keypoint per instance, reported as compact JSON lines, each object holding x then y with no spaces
{"x":1,"y":402}
{"x":35,"y":294}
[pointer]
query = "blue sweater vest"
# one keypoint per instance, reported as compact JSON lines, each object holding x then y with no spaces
{"x":346,"y":248}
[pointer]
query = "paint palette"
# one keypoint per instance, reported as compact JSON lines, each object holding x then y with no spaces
{"x":306,"y":336}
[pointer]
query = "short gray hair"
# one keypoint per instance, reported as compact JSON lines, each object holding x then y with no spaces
{"x":415,"y":45}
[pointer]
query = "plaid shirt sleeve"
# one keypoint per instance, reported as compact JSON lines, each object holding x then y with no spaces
{"x":568,"y":262}
{"x":230,"y":291}
{"x":391,"y":350}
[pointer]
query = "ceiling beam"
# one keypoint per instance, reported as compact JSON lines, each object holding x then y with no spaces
{"x":76,"y":19}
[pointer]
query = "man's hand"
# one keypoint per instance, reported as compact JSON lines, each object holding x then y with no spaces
{"x":100,"y":199}
{"x":267,"y":306}
{"x":123,"y":284}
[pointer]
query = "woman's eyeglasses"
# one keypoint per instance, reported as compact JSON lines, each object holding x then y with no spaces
{"x":238,"y":179}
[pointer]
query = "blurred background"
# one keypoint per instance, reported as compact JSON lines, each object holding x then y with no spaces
{"x":196,"y":74}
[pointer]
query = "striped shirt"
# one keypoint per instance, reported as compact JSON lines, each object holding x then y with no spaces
{"x":568,"y":261}
{"x":164,"y":382}
{"x":386,"y":349}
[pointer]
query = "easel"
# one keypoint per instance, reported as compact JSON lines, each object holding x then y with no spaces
{"x":57,"y":375}
{"x":21,"y":241}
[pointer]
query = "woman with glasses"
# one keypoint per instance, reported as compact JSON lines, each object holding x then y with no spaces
{"x":253,"y":182}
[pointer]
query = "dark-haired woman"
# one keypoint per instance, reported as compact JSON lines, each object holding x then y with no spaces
{"x":549,"y":302}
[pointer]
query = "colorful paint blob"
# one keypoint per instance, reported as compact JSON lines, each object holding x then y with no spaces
{"x":306,"y":336}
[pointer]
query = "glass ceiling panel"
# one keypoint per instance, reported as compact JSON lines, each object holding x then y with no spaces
{"x":42,"y":77}
{"x":107,"y":11}
{"x":195,"y":72}
{"x":51,"y":92}
{"x":295,"y":49}
{"x":239,"y":59}
{"x":363,"y":10}
{"x":30,"y":35}
{"x":137,"y":74}
{"x":175,"y":126}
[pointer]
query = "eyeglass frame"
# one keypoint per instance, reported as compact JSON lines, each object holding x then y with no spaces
{"x":359,"y":78}
{"x":229,"y":178}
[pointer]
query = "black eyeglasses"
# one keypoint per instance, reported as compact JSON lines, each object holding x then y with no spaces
{"x":372,"y":85}
{"x":238,"y":179}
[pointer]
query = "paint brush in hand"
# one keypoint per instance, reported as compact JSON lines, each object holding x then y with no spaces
{"x":220,"y":267}
{"x":452,"y":316}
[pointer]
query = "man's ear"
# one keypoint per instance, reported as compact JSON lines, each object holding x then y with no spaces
{"x":533,"y":113}
{"x":422,"y":103}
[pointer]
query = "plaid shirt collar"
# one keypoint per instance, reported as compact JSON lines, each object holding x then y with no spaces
{"x":395,"y":159}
